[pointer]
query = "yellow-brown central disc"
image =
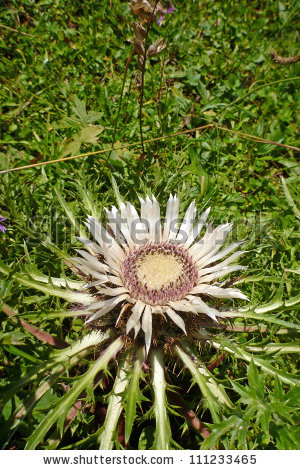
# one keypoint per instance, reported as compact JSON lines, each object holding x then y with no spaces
{"x":158,"y":270}
{"x":158,"y":273}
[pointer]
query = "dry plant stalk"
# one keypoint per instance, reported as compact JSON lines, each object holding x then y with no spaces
{"x":284,"y":60}
{"x":146,"y":11}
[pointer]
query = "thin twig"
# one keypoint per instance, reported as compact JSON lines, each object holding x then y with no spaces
{"x":97,"y":152}
{"x":218,"y":361}
{"x":121,"y":98}
{"x":143,"y":81}
{"x":135,"y":144}
{"x":188,"y":414}
{"x":16,"y":31}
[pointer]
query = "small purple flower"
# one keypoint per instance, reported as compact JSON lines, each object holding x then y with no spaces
{"x":164,"y":12}
{"x":2,"y":227}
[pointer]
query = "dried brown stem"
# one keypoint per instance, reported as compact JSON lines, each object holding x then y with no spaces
{"x":37,"y":332}
{"x":284,"y":60}
{"x":188,"y":414}
{"x":217,"y":362}
{"x":143,"y":81}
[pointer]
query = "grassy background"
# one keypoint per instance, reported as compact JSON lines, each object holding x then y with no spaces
{"x":61,"y":70}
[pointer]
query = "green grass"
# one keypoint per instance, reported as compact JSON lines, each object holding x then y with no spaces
{"x":61,"y":70}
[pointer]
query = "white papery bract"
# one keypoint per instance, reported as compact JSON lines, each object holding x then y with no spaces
{"x":156,"y":268}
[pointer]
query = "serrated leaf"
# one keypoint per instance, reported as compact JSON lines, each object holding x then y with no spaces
{"x":71,"y":215}
{"x":72,"y":148}
{"x":59,"y":413}
{"x":218,"y":430}
{"x":90,"y":134}
{"x":262,"y":317}
{"x":262,"y":363}
{"x":215,"y":397}
{"x":114,"y":409}
{"x":162,"y":431}
{"x":133,"y":395}
{"x":65,"y":357}
{"x":79,"y":108}
{"x":86,"y":135}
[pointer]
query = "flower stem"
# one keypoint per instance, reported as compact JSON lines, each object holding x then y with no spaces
{"x":143,"y":82}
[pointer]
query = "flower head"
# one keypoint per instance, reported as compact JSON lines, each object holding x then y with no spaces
{"x":146,"y":274}
{"x":2,"y":227}
{"x":164,"y":12}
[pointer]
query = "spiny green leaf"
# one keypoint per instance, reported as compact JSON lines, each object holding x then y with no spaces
{"x":71,"y":215}
{"x":265,"y":365}
{"x":66,"y":294}
{"x":162,"y":430}
{"x":261,"y":317}
{"x":114,"y":409}
{"x":218,"y":430}
{"x":133,"y":395}
{"x":276,"y":349}
{"x":67,"y":357}
{"x":214,"y":395}
{"x":58,"y":414}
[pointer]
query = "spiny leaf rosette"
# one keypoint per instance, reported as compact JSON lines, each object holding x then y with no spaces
{"x":156,"y":279}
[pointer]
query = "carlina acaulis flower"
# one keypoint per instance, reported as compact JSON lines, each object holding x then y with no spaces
{"x":156,"y":278}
